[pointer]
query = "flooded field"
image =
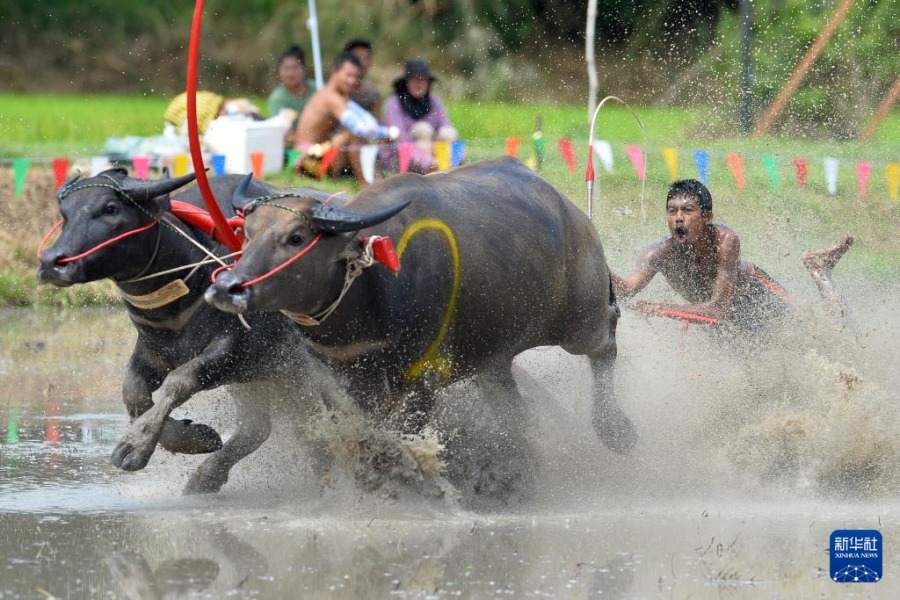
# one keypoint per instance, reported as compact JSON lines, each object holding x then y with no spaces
{"x":744,"y":469}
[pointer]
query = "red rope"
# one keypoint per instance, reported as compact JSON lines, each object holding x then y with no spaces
{"x":99,"y":246}
{"x":687,"y":317}
{"x":224,"y":231}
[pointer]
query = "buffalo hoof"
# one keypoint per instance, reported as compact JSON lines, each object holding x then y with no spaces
{"x":133,"y":452}
{"x":186,"y":437}
{"x":615,"y":429}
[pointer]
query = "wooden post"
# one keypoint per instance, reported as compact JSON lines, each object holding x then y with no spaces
{"x":881,"y":112}
{"x":803,"y":68}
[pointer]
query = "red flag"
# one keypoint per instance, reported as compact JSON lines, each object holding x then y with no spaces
{"x":800,"y":170}
{"x":327,"y":159}
{"x":512,"y":146}
{"x":568,"y":153}
{"x":60,"y":170}
{"x":405,"y":150}
{"x":736,"y":164}
{"x":256,"y":162}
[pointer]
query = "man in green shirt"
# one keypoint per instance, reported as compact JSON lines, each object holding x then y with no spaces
{"x":295,"y":89}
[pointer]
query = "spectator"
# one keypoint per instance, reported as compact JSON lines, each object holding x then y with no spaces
{"x":419,"y":116}
{"x":333,"y":126}
{"x":295,"y":88}
{"x":365,"y":94}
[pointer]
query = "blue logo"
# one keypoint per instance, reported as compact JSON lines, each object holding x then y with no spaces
{"x":856,"y":555}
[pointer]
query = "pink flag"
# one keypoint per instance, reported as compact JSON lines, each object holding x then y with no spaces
{"x":800,"y":171}
{"x":141,"y":166}
{"x":512,"y":146}
{"x":405,"y":150}
{"x":568,"y":153}
{"x":862,"y":177}
{"x":736,"y":164}
{"x":256,"y":163}
{"x":636,"y":156}
{"x":60,"y":170}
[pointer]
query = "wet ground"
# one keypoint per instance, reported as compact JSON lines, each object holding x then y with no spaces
{"x":742,"y":474}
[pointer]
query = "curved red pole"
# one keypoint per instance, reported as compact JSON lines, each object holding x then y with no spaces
{"x":225,"y":231}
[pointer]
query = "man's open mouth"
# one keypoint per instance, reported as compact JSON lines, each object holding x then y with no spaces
{"x":680,"y":232}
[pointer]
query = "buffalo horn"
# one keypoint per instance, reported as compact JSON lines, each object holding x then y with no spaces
{"x":143,"y":191}
{"x":336,"y":220}
{"x":239,"y":198}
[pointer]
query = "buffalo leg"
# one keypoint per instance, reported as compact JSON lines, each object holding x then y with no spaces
{"x":490,"y":459}
{"x":182,"y":436}
{"x":254,"y":425}
{"x":610,"y":422}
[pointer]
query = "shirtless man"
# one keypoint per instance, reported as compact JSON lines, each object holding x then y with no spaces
{"x":332,"y":125}
{"x":701,"y":260}
{"x":365,"y":93}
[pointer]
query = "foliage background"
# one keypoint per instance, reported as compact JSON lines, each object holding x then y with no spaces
{"x":674,"y":52}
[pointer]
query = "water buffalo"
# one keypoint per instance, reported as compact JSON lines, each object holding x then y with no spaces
{"x":494,"y":261}
{"x":183,"y":345}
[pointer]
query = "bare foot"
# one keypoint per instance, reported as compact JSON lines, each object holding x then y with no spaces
{"x":821,"y":262}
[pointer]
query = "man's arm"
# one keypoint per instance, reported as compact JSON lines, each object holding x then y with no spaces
{"x":628,"y":286}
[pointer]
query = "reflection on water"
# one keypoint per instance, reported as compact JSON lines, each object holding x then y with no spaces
{"x":672,"y":521}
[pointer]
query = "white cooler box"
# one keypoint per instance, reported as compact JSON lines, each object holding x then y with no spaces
{"x":237,"y":138}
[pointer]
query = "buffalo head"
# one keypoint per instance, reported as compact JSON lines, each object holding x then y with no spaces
{"x":98,"y":209}
{"x":295,"y":253}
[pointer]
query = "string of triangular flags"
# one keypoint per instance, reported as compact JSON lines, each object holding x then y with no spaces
{"x":451,"y":154}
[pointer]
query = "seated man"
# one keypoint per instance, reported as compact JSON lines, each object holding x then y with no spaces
{"x":333,"y":127}
{"x":295,"y":88}
{"x":701,"y":261}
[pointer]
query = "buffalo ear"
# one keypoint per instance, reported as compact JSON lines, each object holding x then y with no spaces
{"x":335,"y":220}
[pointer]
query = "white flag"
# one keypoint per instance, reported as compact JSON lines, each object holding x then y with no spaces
{"x":98,"y":165}
{"x":367,"y":156}
{"x":604,"y":153}
{"x":831,"y":174}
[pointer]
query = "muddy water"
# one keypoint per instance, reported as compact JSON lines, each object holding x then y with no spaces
{"x":744,"y":469}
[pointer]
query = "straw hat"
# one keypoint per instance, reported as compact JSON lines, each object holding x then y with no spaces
{"x":208,"y":106}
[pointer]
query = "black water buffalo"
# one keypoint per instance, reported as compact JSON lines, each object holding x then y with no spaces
{"x":494,"y":261}
{"x":183,"y":345}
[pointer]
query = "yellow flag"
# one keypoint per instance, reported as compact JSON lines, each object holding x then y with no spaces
{"x":180,"y":165}
{"x":442,"y":155}
{"x":670,"y":155}
{"x":893,"y":176}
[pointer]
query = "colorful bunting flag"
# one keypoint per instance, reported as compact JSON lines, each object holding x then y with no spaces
{"x":218,"y":163}
{"x":636,"y":156}
{"x":457,"y":153}
{"x":441,"y":151}
{"x":604,"y":152}
{"x":368,"y":154}
{"x":98,"y":165}
{"x":736,"y":165}
{"x":670,"y":156}
{"x":701,"y":160}
{"x":327,"y":158}
{"x":863,"y":169}
{"x":512,"y":146}
{"x":405,"y":151}
{"x":568,"y":153}
{"x":20,"y":171}
{"x":60,"y":170}
{"x":180,"y":165}
{"x":893,"y":177}
{"x":538,"y":137}
{"x":831,"y":174}
{"x":772,"y":171}
{"x":257,"y":160}
{"x":292,"y":156}
{"x":800,"y":172}
{"x":141,"y":166}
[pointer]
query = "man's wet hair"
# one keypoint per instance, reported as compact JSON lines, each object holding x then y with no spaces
{"x":692,"y":189}
{"x":293,"y":51}
{"x":345,"y":57}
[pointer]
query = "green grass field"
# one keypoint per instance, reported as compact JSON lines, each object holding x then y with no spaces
{"x":774,"y":223}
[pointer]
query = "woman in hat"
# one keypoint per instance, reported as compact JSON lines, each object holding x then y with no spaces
{"x":419,"y":115}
